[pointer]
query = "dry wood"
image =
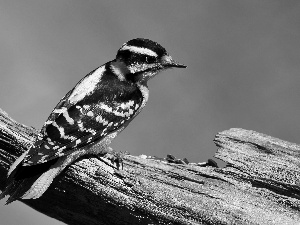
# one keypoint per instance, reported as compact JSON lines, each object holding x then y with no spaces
{"x":260,"y":185}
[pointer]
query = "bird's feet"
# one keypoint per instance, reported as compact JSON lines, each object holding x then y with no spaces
{"x":112,"y":157}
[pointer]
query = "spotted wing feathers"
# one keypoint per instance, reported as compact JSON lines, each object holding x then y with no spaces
{"x":70,"y":126}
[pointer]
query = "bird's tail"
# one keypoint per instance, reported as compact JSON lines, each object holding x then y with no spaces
{"x":30,"y":182}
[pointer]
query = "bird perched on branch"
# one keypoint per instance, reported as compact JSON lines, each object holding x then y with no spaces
{"x":89,"y":117}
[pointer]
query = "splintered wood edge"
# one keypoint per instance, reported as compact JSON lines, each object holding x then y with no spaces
{"x":272,"y":160}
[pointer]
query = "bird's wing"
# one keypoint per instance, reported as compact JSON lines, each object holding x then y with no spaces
{"x":72,"y":126}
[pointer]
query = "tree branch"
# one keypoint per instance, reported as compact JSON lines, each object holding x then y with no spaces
{"x":260,"y":185}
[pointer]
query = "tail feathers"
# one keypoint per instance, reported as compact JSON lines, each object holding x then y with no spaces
{"x":42,"y":183}
{"x":17,"y":162}
{"x":16,"y":188}
{"x":30,"y":181}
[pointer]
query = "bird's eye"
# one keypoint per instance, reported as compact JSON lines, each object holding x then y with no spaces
{"x":148,"y":59}
{"x":144,"y":58}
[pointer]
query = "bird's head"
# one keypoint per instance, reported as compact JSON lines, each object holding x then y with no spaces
{"x":141,"y":59}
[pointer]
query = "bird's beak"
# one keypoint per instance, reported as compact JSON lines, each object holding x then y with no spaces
{"x":167,"y":61}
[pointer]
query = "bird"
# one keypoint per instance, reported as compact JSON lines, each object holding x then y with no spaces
{"x":89,"y":117}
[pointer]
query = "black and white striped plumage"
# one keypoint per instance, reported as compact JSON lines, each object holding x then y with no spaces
{"x":99,"y":107}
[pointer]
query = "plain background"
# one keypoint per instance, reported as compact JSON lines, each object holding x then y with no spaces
{"x":242,"y":57}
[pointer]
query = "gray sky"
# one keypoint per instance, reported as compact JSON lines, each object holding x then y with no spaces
{"x":242,"y":57}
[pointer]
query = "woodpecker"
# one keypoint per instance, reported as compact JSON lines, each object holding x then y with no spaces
{"x":89,"y":117}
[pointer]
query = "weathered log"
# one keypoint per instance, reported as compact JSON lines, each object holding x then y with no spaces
{"x":260,"y":184}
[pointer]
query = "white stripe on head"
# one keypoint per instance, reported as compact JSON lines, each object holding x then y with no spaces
{"x":140,"y":50}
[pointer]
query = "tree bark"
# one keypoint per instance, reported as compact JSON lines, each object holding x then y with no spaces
{"x":260,"y":184}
